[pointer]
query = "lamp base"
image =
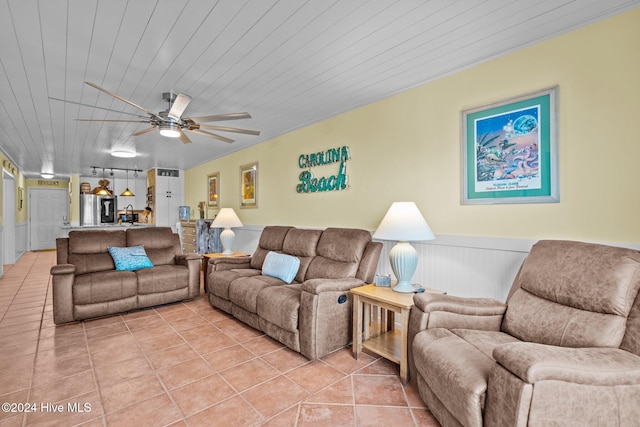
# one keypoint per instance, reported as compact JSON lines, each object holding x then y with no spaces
{"x":226,"y":238}
{"x":404,"y":260}
{"x":404,"y":287}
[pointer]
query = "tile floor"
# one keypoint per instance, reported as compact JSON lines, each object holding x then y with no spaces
{"x":183,"y":364}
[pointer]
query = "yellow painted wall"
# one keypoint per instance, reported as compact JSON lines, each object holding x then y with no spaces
{"x":20,"y":211}
{"x":407,"y":147}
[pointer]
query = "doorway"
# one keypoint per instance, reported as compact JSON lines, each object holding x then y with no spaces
{"x":8,"y":218}
{"x":47,"y":207}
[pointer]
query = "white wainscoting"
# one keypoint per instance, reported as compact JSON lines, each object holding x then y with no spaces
{"x":22,"y":238}
{"x":467,"y":266}
{"x":459,"y":265}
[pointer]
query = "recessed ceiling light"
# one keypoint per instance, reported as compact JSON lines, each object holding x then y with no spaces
{"x":126,"y":154}
{"x":47,"y":175}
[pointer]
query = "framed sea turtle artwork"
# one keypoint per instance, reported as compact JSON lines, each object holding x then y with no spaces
{"x":510,"y":150}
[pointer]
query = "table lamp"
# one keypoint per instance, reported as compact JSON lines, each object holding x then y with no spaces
{"x":403,"y":223}
{"x":226,"y":219}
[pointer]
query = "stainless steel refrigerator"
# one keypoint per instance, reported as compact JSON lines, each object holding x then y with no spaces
{"x":98,"y":210}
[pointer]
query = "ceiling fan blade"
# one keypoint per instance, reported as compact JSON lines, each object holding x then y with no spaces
{"x":143,"y":131}
{"x":227,"y":129}
{"x":124,"y":100}
{"x":211,"y":135}
{"x":95,"y":106}
{"x":112,"y":121}
{"x":184,"y":138}
{"x":220,"y":117}
{"x":179,"y":105}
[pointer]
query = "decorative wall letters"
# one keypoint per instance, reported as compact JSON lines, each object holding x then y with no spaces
{"x":310,"y":184}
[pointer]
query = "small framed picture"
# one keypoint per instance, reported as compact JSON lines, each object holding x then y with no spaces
{"x":249,"y":185}
{"x":510,"y":151}
{"x":213,"y":188}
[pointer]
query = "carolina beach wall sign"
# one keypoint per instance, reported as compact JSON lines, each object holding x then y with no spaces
{"x":308,"y":183}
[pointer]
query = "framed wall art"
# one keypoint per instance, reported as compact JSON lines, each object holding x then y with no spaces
{"x":249,"y":185}
{"x":510,"y":150}
{"x":213,"y":190}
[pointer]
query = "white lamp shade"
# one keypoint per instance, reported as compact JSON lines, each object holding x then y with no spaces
{"x":226,"y":218}
{"x":403,"y":222}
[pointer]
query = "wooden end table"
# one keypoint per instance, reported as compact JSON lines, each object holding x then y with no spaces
{"x":374,"y":309}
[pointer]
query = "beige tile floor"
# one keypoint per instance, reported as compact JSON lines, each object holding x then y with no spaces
{"x":183,"y":364}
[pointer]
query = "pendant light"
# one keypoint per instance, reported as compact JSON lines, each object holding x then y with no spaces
{"x":104,"y":191}
{"x":127,"y":192}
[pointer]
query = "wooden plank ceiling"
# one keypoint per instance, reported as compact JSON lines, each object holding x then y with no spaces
{"x":289,"y":63}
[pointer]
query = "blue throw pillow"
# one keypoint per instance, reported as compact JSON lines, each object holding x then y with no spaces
{"x":130,"y":258}
{"x":284,"y":267}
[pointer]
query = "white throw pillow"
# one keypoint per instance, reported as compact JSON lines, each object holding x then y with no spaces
{"x":284,"y":267}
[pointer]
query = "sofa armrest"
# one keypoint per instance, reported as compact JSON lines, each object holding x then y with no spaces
{"x":228,"y":263}
{"x":193,"y":262}
{"x":188,"y":257}
{"x":458,"y":305}
{"x":63,"y":269}
{"x":316,"y":286}
{"x":533,"y":362}
{"x":62,"y":278}
{"x":452,"y":312}
{"x":325,"y":315}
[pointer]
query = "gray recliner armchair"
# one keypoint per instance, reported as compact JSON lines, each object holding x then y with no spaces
{"x":563,"y":350}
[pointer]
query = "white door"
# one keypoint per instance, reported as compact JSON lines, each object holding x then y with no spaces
{"x":47,"y":207}
{"x":9,"y":219}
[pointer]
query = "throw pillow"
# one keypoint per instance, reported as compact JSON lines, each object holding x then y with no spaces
{"x":284,"y":267}
{"x":130,"y":258}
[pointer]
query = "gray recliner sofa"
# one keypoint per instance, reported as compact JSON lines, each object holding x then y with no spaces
{"x":86,"y":283}
{"x":313,"y":314}
{"x":563,"y":350}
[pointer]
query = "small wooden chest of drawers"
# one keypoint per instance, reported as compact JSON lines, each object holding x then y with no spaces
{"x":198,"y":237}
{"x":189,"y":241}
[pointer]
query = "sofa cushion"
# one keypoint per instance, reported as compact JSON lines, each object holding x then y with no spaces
{"x":598,"y":278}
{"x":244,"y":291}
{"x":220,"y":281}
{"x":457,"y":370}
{"x":162,"y":278}
{"x":271,"y":239}
{"x":573,"y":294}
{"x":130,"y":258}
{"x":284,"y":267}
{"x":104,"y":286}
{"x":88,"y":249}
{"x":160,"y":243}
{"x":302,"y":244}
{"x":280,"y":306}
{"x":339,"y":252}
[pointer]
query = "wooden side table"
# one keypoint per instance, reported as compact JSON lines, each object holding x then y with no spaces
{"x":374,"y":309}
{"x":205,"y":261}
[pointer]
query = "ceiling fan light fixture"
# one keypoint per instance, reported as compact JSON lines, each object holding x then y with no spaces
{"x":123,"y":154}
{"x":170,"y":130}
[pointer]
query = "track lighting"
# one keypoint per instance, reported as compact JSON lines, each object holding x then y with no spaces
{"x":94,"y":171}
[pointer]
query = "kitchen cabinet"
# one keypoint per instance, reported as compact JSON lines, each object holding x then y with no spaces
{"x":165,"y":195}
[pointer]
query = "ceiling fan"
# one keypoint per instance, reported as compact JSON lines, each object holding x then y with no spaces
{"x":171,"y":123}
